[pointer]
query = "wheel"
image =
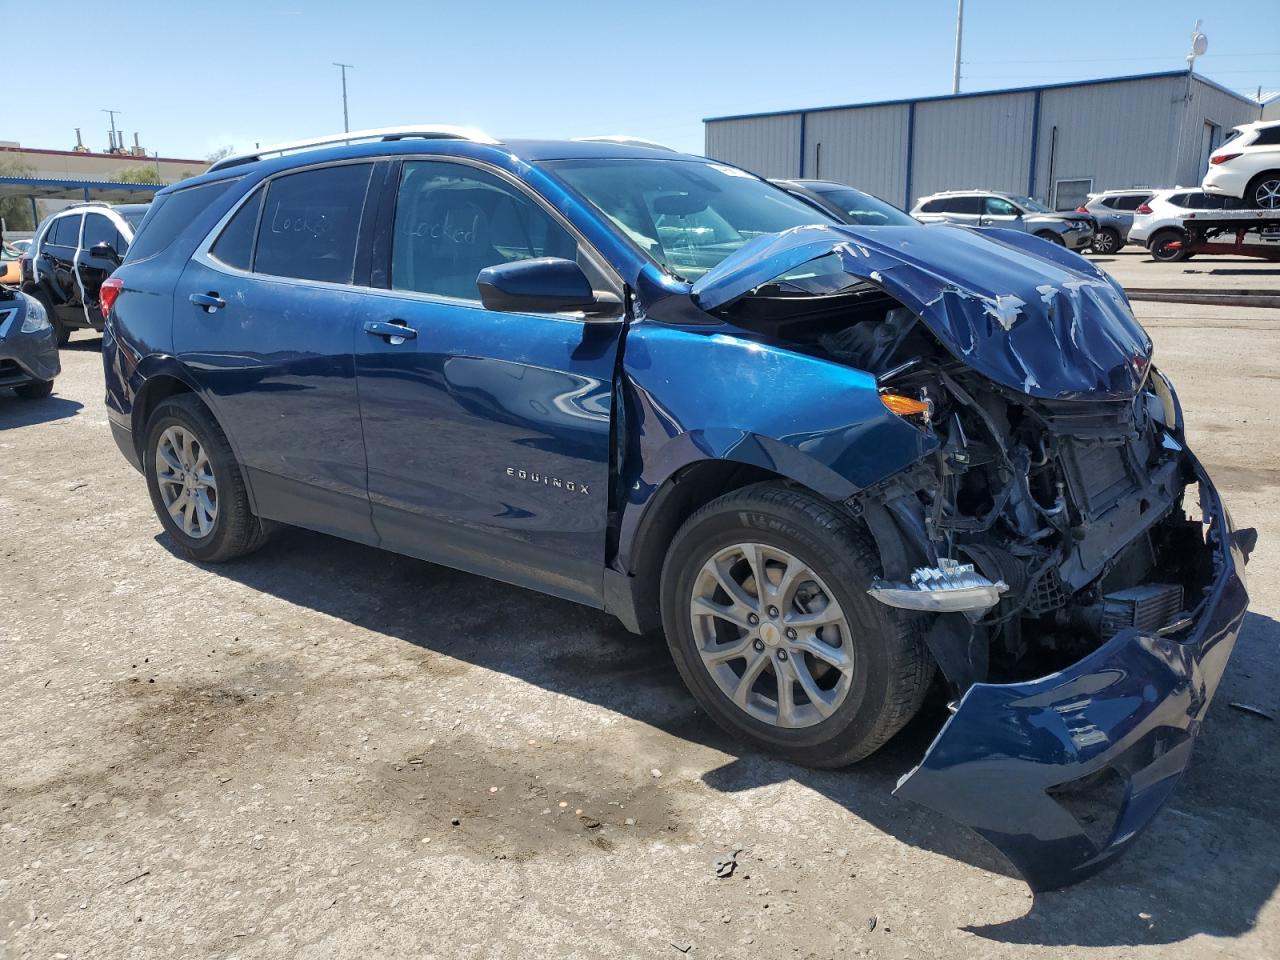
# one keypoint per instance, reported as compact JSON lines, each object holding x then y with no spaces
{"x":36,"y":390}
{"x":1263,"y":192}
{"x":1107,"y":240}
{"x":1162,"y":246}
{"x":765,"y":607}
{"x":1051,"y":237}
{"x":196,"y":485}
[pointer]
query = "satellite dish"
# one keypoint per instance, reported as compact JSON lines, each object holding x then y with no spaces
{"x":1199,"y":44}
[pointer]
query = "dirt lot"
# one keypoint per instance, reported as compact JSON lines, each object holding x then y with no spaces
{"x":325,"y":751}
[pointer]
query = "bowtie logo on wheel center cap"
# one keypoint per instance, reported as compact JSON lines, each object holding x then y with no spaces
{"x":770,"y":635}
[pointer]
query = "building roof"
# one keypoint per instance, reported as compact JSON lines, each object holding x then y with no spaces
{"x":90,"y":155}
{"x":63,"y":188}
{"x":987,"y":93}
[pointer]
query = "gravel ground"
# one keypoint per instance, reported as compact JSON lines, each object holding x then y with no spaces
{"x":325,"y":751}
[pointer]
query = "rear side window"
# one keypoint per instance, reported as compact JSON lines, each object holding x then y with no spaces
{"x":1267,"y":137}
{"x":1131,"y":201}
{"x":310,"y":224}
{"x":234,"y":245}
{"x":65,"y":231}
{"x":933,"y":206}
{"x":170,"y":214}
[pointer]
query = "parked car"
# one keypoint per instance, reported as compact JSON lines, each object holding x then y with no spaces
{"x":827,"y":460}
{"x":72,"y":253}
{"x":1112,"y":212}
{"x":21,"y":245}
{"x":1247,"y":166}
{"x":1157,"y":223}
{"x":845,"y":203}
{"x":990,"y":208}
{"x":28,"y":348}
{"x":10,"y":268}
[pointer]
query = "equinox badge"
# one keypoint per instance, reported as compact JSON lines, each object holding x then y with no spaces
{"x":547,"y":481}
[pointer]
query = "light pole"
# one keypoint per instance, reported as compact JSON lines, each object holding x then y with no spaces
{"x":344,"y":67}
{"x":955,"y":73}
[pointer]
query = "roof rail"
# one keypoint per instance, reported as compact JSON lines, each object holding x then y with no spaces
{"x":626,"y":141}
{"x":422,"y":131}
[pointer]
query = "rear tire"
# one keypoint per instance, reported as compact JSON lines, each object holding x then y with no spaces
{"x":1160,"y":246}
{"x":1107,"y":240}
{"x":1263,"y":192}
{"x":1051,"y":237}
{"x":873,"y":670}
{"x":234,"y":530}
{"x":36,"y":390}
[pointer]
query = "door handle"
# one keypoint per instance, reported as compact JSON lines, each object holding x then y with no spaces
{"x":399,"y":330}
{"x":209,"y":302}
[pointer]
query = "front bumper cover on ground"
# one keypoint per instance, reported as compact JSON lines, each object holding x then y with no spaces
{"x":1134,"y":706}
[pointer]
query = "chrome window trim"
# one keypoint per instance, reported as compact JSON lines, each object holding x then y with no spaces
{"x":203,"y":256}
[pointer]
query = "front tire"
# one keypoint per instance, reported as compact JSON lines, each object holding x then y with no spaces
{"x":36,"y":390}
{"x":1106,"y":240}
{"x":825,"y":674}
{"x":196,"y":485}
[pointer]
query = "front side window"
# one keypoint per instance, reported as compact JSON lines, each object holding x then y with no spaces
{"x":685,"y":215}
{"x":310,"y":224}
{"x":996,"y":207}
{"x":453,"y":220}
{"x":98,"y":229}
{"x":1032,"y":205}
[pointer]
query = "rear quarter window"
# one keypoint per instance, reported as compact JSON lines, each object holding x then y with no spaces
{"x":170,"y":214}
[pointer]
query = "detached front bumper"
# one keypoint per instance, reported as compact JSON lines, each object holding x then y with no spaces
{"x":1134,"y":706}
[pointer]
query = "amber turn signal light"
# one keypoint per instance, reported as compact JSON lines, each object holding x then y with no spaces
{"x":904,"y":406}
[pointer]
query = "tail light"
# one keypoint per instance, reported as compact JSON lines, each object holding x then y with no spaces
{"x":108,"y":292}
{"x":1082,"y":209}
{"x":1223,"y":158}
{"x":1144,"y":208}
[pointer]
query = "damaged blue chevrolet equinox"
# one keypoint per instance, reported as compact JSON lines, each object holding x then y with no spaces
{"x":837,"y":465}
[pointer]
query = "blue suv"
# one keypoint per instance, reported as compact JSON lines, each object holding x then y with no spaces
{"x":835,"y":464}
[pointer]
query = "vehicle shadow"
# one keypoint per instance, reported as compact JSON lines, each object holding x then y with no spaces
{"x":83,"y":344}
{"x":1208,"y":863}
{"x":17,"y":412}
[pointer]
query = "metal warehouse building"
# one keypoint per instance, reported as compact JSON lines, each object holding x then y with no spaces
{"x":1056,"y":142}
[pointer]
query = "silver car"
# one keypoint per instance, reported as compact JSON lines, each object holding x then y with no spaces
{"x":1112,"y":211}
{"x":991,"y":208}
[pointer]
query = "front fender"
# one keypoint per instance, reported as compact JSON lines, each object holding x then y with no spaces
{"x":695,"y":394}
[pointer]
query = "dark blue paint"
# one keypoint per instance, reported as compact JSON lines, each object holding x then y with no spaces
{"x":1134,"y":705}
{"x":533,"y":448}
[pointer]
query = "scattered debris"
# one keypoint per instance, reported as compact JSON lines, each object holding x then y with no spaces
{"x":655,"y":772}
{"x":590,"y":823}
{"x":725,"y":866}
{"x":456,"y":822}
{"x":682,"y":947}
{"x":139,"y":876}
{"x":630,"y":821}
{"x":1252,"y":710}
{"x":871,"y":922}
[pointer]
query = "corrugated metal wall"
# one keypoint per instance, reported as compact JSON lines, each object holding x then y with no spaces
{"x":1118,"y":134}
{"x":973,"y":142}
{"x":768,"y":146}
{"x":866,"y":146}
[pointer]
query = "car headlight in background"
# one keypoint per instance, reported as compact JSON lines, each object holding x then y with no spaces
{"x":37,"y":318}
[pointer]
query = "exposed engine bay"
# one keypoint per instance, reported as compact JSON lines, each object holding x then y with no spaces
{"x":1065,"y":515}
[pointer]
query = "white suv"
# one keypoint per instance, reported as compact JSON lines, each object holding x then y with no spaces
{"x":1157,"y":224}
{"x":1248,"y":166}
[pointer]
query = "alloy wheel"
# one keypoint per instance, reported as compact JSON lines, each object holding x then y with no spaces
{"x":187,"y":484}
{"x":1266,"y":195}
{"x":772,"y":635}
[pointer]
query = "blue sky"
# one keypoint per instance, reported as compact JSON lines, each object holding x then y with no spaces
{"x":191,"y":77}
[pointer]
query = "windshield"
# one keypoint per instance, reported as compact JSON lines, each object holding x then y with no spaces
{"x":687,"y":216}
{"x":866,"y":210}
{"x":1035,"y":206}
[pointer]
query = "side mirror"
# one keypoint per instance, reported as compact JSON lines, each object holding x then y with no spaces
{"x":543,"y":285}
{"x":104,"y":251}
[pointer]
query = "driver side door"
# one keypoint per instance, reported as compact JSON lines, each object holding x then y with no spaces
{"x":998,"y":212}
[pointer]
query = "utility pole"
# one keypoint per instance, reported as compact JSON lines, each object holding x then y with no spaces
{"x":113,"y":128}
{"x":344,"y":67}
{"x":955,"y":73}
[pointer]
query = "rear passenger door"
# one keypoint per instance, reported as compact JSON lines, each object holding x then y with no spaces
{"x":488,"y":434}
{"x":58,"y":260}
{"x":265,"y":316}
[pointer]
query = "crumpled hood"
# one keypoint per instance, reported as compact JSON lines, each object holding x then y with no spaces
{"x":1018,"y":310}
